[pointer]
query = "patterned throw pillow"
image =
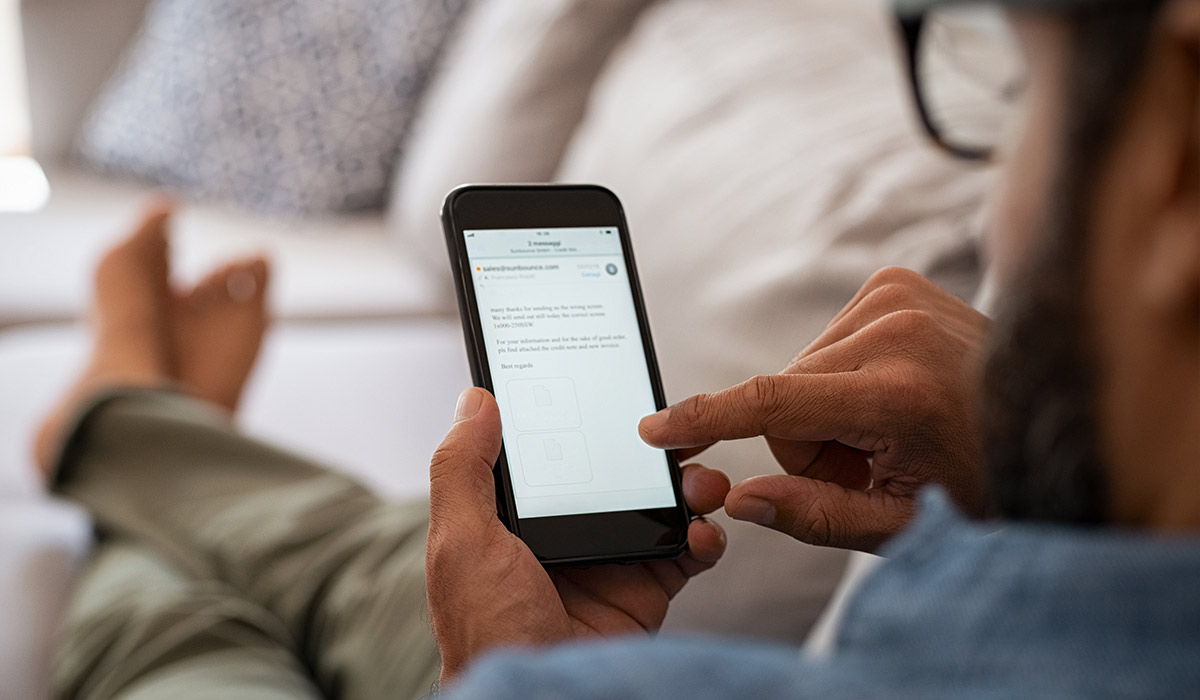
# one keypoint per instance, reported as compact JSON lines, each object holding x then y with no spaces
{"x":290,"y":106}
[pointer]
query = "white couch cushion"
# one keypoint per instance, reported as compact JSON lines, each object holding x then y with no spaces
{"x":335,"y":267}
{"x":43,"y":544}
{"x":766,"y":179}
{"x":372,"y":399}
{"x":768,"y":161}
{"x":509,"y":93}
{"x":36,"y":367}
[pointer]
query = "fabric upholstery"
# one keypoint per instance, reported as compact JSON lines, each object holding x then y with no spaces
{"x":511,"y":90}
{"x":279,"y":105}
{"x":769,"y":163}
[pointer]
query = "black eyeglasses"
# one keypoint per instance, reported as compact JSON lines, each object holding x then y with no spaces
{"x":967,"y":73}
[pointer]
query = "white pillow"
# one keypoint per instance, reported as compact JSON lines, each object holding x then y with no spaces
{"x":769,"y":162}
{"x":510,"y":91}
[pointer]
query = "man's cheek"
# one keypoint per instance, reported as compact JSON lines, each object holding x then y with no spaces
{"x":1029,"y":156}
{"x":1018,"y":204}
{"x":1007,"y":237}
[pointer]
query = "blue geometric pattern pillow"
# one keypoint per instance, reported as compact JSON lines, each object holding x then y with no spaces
{"x":290,"y":106}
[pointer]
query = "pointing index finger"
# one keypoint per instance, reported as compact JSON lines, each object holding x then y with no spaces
{"x":793,"y":406}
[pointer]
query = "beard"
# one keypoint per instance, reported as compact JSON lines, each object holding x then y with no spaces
{"x":1041,"y":441}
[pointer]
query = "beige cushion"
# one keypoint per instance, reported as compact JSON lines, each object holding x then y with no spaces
{"x":511,"y":90}
{"x":768,"y":160}
{"x":324,"y":267}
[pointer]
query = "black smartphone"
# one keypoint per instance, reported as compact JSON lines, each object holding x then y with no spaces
{"x":556,"y":329}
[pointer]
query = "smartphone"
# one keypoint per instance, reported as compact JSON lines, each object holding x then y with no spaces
{"x":556,"y":329}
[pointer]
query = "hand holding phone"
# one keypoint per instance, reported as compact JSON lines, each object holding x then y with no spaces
{"x":487,"y":590}
{"x":555,"y":328}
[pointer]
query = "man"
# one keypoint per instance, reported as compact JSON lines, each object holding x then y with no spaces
{"x":1084,"y":439}
{"x":1090,"y":418}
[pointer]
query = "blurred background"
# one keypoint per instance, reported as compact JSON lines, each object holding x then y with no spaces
{"x":14,"y":118}
{"x":14,"y":121}
{"x":22,"y":185}
{"x":765,"y":150}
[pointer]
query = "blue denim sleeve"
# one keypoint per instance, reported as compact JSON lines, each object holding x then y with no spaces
{"x":653,"y":670}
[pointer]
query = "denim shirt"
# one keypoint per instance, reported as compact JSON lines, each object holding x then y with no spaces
{"x":959,"y":610}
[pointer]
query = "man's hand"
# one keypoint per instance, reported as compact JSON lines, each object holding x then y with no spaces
{"x":487,"y":590}
{"x":883,"y":402}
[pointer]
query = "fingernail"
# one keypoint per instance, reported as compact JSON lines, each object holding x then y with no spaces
{"x":468,"y":405}
{"x":754,"y":510}
{"x":654,"y":421}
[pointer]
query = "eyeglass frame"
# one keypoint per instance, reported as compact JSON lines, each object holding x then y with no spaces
{"x":911,"y":28}
{"x":911,"y":17}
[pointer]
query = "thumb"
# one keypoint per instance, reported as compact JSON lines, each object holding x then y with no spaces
{"x":820,"y":512}
{"x":461,"y":486}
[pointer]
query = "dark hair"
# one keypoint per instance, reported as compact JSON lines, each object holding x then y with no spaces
{"x":1042,"y":444}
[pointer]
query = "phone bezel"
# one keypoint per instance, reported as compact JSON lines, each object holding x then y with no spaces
{"x":618,"y":536}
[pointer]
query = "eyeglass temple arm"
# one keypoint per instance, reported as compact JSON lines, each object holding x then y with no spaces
{"x":911,"y":27}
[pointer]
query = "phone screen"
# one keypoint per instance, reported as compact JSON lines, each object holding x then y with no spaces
{"x":568,"y":370}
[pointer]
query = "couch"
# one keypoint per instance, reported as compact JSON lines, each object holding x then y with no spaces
{"x":768,"y":161}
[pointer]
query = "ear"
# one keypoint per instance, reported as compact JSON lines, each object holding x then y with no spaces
{"x":1171,"y":275}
